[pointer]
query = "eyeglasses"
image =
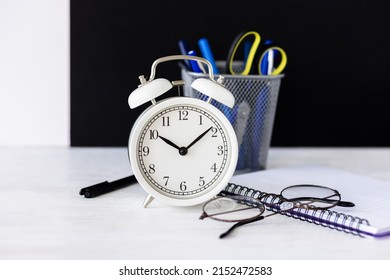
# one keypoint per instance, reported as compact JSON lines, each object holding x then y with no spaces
{"x":228,"y":207}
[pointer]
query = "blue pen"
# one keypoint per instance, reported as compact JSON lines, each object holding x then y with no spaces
{"x":205,"y":49}
{"x":267,"y":63}
{"x":197,"y":68}
{"x":194,"y":64}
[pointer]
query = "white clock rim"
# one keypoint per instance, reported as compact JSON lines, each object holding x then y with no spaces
{"x":179,"y":101}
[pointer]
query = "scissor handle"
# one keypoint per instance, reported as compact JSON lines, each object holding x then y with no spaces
{"x":279,"y":68}
{"x":251,"y":55}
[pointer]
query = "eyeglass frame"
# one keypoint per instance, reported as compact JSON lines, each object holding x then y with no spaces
{"x":249,"y":201}
{"x":258,"y":201}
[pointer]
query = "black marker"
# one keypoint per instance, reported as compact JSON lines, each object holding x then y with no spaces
{"x":105,"y":187}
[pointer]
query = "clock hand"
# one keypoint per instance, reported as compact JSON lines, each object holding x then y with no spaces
{"x":169,"y":142}
{"x":198,"y":138}
{"x":182,"y":150}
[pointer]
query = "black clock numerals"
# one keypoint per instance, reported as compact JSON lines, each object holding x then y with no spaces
{"x":183,"y":186}
{"x":165,"y":121}
{"x":145,"y":151}
{"x":198,"y":138}
{"x":166,"y":180}
{"x":183,"y":115}
{"x":202,"y":182}
{"x":153,"y":134}
{"x":214,"y":132}
{"x":200,"y":120}
{"x":152,"y":168}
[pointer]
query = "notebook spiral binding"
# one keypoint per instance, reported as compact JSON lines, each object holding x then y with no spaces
{"x":324,"y":217}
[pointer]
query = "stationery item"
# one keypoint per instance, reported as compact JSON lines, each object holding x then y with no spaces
{"x":207,"y":53}
{"x":267,"y":64}
{"x":369,"y":218}
{"x":194,"y":64}
{"x":106,"y":187}
{"x":259,"y":60}
{"x":198,"y":67}
{"x":205,"y":49}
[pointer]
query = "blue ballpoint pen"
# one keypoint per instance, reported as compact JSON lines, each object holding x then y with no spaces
{"x":194,"y":64}
{"x":205,"y":49}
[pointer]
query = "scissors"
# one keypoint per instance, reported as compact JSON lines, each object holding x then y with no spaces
{"x":258,"y":59}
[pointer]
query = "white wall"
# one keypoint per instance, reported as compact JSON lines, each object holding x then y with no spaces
{"x":34,"y":73}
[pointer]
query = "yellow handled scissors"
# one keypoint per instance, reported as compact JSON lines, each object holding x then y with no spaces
{"x":258,"y":59}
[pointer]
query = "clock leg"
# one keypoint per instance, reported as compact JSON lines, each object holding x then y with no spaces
{"x":147,"y":201}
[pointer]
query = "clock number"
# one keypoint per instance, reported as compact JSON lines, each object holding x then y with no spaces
{"x":183,"y":186}
{"x":165,"y":121}
{"x":152,"y":168}
{"x":183,"y":115}
{"x":200,"y":120}
{"x":166,"y":178}
{"x":201,"y":181}
{"x":220,"y":150}
{"x":153,"y":134}
{"x":145,"y":151}
{"x":214,"y":167}
{"x":214,"y":132}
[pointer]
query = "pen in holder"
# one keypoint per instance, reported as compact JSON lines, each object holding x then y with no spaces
{"x":252,"y":116}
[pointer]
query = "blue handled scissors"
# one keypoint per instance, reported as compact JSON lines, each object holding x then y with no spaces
{"x":259,"y":59}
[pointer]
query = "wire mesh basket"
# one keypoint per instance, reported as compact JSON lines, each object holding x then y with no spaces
{"x":253,"y":115}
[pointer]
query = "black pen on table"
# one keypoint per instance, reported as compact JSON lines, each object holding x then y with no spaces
{"x":106,"y":187}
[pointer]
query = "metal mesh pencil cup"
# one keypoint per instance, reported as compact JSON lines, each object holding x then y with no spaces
{"x":253,"y":115}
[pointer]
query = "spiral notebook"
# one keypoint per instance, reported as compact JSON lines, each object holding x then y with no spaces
{"x":369,"y":218}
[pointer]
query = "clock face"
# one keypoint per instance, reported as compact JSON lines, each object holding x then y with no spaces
{"x":183,"y":151}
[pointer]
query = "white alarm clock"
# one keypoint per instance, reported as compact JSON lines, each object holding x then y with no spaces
{"x":183,"y":150}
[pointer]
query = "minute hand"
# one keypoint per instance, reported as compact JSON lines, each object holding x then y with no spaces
{"x":198,"y":138}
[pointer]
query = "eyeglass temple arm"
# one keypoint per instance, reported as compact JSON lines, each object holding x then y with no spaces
{"x":236,"y":225}
{"x":345,"y":204}
{"x":317,"y":199}
{"x":265,"y":195}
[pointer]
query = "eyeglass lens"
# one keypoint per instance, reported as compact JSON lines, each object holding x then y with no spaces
{"x":312,"y":195}
{"x":231,"y":209}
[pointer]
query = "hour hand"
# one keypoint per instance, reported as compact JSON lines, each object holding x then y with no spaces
{"x":169,"y":142}
{"x":182,"y":150}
